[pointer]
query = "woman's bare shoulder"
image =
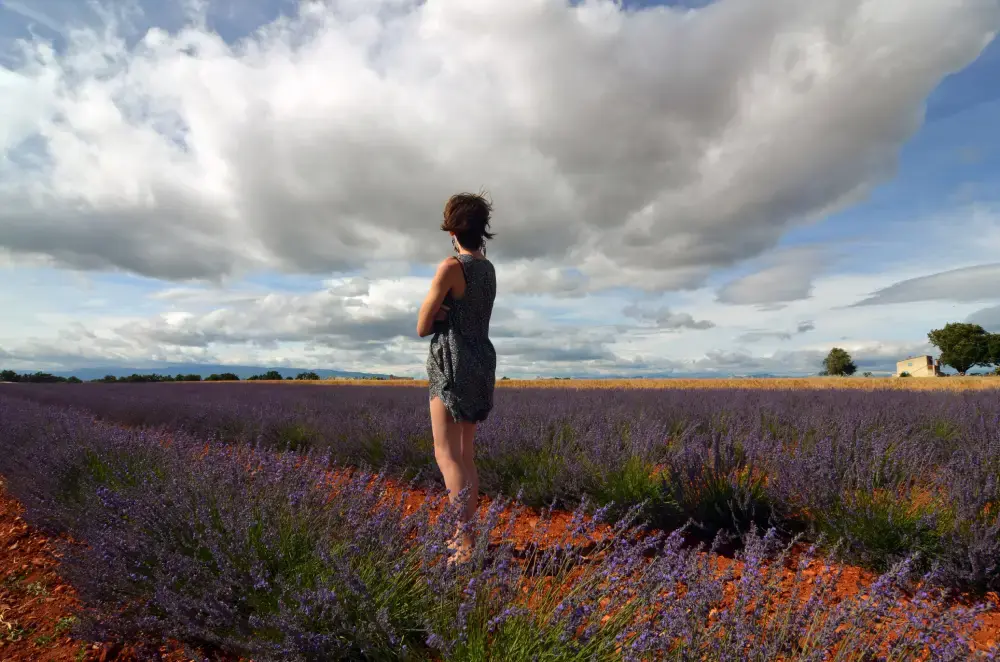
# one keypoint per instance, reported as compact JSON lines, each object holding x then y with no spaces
{"x":449,"y":267}
{"x":449,"y":264}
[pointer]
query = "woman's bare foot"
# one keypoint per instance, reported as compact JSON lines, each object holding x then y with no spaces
{"x":461,"y":547}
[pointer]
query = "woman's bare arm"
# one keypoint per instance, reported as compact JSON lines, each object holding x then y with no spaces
{"x":441,"y":284}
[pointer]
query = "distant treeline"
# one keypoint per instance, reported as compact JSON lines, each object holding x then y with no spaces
{"x":271,"y":375}
{"x":46,"y":378}
{"x":36,"y":378}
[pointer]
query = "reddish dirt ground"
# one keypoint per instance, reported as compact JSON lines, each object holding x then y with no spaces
{"x":850,"y":581}
{"x":37,"y":607}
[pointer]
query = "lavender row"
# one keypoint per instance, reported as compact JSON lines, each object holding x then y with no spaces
{"x":242,"y":550}
{"x":888,"y":474}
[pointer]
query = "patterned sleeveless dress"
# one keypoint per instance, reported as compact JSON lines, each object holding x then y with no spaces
{"x":462,"y":363}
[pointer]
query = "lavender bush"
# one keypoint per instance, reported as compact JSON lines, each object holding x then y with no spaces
{"x":252,"y":552}
{"x":890,"y":474}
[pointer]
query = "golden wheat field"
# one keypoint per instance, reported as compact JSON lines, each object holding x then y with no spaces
{"x":797,"y":383}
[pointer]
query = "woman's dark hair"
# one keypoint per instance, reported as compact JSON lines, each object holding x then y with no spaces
{"x":468,"y":216}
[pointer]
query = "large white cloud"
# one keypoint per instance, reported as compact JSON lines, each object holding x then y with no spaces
{"x":988,"y":318}
{"x":967,"y":284}
{"x":666,"y":319}
{"x":639,"y":147}
{"x":369,"y":325}
{"x":787,"y":277}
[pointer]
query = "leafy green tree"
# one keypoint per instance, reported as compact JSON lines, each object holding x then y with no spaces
{"x":307,"y":376}
{"x":993,"y":345}
{"x":224,"y":377}
{"x":9,"y":376}
{"x":963,"y":346}
{"x":839,"y":363}
{"x":269,"y":376}
{"x":74,"y":380}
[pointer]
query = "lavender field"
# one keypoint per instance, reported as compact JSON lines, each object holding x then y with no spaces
{"x":210,"y":520}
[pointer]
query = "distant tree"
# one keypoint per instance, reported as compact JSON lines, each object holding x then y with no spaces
{"x":905,"y":374}
{"x":224,"y":377}
{"x":289,"y":378}
{"x":269,"y":376}
{"x":107,"y":379}
{"x":307,"y":376}
{"x":867,"y":374}
{"x":35,"y":378}
{"x":993,"y":349}
{"x":963,"y":346}
{"x":74,"y":380}
{"x":42,"y":378}
{"x":136,"y":378}
{"x":838,"y":363}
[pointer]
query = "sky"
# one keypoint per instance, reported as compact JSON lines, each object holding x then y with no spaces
{"x":729,"y":187}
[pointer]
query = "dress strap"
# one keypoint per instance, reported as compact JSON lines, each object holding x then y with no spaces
{"x":465,"y":276}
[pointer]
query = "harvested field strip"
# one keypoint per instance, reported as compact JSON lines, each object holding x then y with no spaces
{"x":971,"y":383}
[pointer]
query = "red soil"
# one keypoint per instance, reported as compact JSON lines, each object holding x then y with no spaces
{"x":37,"y":608}
{"x":850,"y":580}
{"x":33,"y":598}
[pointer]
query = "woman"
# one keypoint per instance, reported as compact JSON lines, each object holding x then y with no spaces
{"x":462,"y":363}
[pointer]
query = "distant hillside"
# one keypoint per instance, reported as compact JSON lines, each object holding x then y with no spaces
{"x":241,"y":371}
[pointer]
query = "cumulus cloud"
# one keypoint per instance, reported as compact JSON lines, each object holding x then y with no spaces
{"x":967,"y":285}
{"x":535,"y":353}
{"x":666,"y":319}
{"x":788,"y":277}
{"x":757,"y":336}
{"x":368,"y":325}
{"x":665,"y":140}
{"x":988,"y":318}
{"x":347,"y":314}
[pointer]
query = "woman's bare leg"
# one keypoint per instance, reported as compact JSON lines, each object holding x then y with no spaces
{"x":448,"y":453}
{"x":469,"y":468}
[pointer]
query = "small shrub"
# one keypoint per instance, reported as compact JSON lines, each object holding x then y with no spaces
{"x":719,"y":486}
{"x":879,"y":529}
{"x":635,"y":482}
